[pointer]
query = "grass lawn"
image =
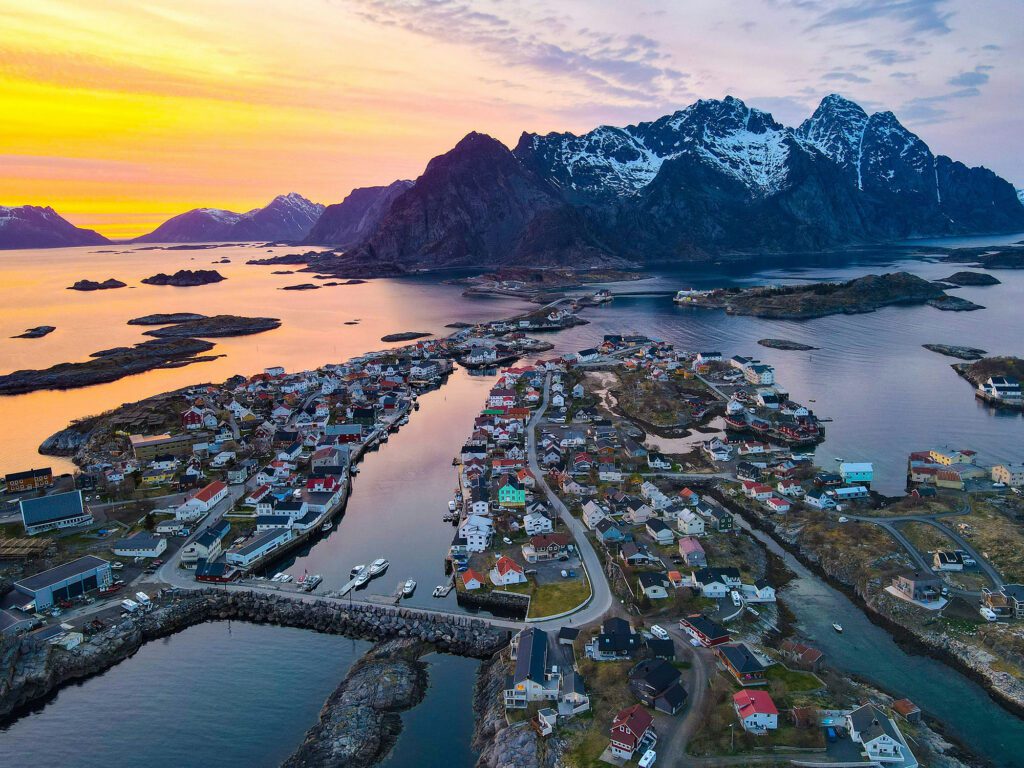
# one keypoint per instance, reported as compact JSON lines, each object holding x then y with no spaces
{"x":552,"y":599}
{"x":795,"y":680}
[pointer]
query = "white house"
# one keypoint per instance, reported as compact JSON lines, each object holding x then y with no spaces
{"x":689,"y":523}
{"x":477,"y":531}
{"x":141,"y":544}
{"x":535,"y":524}
{"x":660,"y":532}
{"x":593,"y":513}
{"x":756,"y":711}
{"x":506,"y":571}
{"x":203,"y":501}
{"x":819,"y":500}
{"x":879,"y":737}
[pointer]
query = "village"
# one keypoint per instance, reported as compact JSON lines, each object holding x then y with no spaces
{"x":630,"y":470}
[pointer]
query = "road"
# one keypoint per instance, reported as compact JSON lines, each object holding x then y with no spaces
{"x":602,"y":598}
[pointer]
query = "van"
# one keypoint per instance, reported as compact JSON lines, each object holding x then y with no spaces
{"x":735,"y":598}
{"x":648,"y":759}
{"x":659,"y":632}
{"x":143,"y":599}
{"x":130,"y":606}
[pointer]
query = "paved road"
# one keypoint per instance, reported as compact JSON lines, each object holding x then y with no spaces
{"x":602,"y":599}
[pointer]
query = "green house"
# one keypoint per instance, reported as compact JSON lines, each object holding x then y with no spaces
{"x":512,"y":494}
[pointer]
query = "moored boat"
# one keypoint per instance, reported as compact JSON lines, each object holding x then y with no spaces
{"x":357,"y":570}
{"x":326,"y":526}
{"x":837,"y":627}
{"x":408,"y":588}
{"x":378,"y":566}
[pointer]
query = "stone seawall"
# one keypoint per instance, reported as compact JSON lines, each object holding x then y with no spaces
{"x":31,"y":671}
{"x":505,"y":604}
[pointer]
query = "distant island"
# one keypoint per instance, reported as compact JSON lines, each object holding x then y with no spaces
{"x":950,"y":350}
{"x":166,"y":318}
{"x":800,"y":302}
{"x":406,"y":336}
{"x":110,"y":365}
{"x":953,"y":304}
{"x":186,"y":278}
{"x":216,"y":326}
{"x":971,"y":278}
{"x":795,"y":346}
{"x":988,"y":257}
{"x":36,"y":333}
{"x":92,"y":285}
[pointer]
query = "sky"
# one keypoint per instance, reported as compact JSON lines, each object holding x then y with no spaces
{"x":120,"y":114}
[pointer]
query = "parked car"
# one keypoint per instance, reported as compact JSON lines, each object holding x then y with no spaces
{"x":659,"y":632}
{"x":735,"y":598}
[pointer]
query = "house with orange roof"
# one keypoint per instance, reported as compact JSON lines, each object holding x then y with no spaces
{"x":506,"y":571}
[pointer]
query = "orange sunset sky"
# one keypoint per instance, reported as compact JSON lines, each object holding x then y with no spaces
{"x":120,"y":114}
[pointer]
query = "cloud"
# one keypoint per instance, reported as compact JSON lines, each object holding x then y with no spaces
{"x":846,"y":77}
{"x":888,"y":57}
{"x":978,"y":76}
{"x":916,"y":15}
{"x":631,"y":67}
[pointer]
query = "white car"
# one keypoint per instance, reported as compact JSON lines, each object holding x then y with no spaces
{"x":659,"y":632}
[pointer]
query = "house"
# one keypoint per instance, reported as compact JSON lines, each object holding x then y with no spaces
{"x":550,"y":546}
{"x":477,"y":532}
{"x":634,"y":555}
{"x":778,"y":505}
{"x":704,"y":630}
{"x":655,"y":682}
{"x":617,"y":640}
{"x":918,"y":586}
{"x":609,"y":532}
{"x":660,"y":532}
{"x":29,"y":480}
{"x":512,"y":494}
{"x":689,"y":523}
{"x":819,"y":499}
{"x":758,"y":592}
{"x":208,"y":545}
{"x":536,"y":523}
{"x":203,"y":501}
{"x":657,"y":460}
{"x":715,"y":582}
{"x":258,"y":546}
{"x":1001,"y":388}
{"x":756,"y":711}
{"x":653,"y":585}
{"x":48,"y":513}
{"x":637,"y":511}
{"x":1007,"y":474}
{"x":692,"y":552}
{"x":721,"y":518}
{"x":740,"y":662}
{"x":907,"y":709}
{"x":472,"y":580}
{"x":593,"y":513}
{"x":851,"y":492}
{"x":947,"y":561}
{"x":790,"y":488}
{"x":631,"y":728}
{"x":800,"y":655}
{"x":879,"y":737}
{"x":140,"y":544}
{"x":64,"y":582}
{"x":507,"y":571}
{"x":756,"y":491}
{"x":857,"y":472}
{"x":532,"y":679}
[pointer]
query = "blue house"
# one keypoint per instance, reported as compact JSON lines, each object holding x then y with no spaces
{"x":609,"y":532}
{"x":852,"y":472}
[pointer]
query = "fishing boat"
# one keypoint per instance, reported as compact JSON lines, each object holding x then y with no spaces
{"x":326,"y":526}
{"x":837,"y":627}
{"x":408,"y":588}
{"x":357,"y":570}
{"x":378,"y":566}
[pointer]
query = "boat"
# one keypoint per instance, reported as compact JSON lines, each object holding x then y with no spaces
{"x":355,"y":469}
{"x":451,"y":506}
{"x":839,"y":458}
{"x":312,"y":582}
{"x":378,"y":566}
{"x":837,"y":627}
{"x":326,"y":526}
{"x":408,"y":588}
{"x":357,"y":570}
{"x":361,"y":579}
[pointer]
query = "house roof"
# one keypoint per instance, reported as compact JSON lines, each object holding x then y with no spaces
{"x":471,"y":575}
{"x":544,"y":541}
{"x":211,"y":490}
{"x":531,"y":656}
{"x":754,"y":703}
{"x":61,"y":573}
{"x":740,"y":657}
{"x":657,"y":674}
{"x":635,"y":719}
{"x":706,"y":626}
{"x":506,"y":564}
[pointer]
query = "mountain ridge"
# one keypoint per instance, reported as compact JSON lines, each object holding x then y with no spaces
{"x":286,"y":217}
{"x":34,"y":226}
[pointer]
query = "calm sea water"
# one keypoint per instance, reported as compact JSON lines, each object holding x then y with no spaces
{"x":233,"y":695}
{"x":886,"y":395}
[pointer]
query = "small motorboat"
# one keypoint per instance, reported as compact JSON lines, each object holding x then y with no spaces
{"x":837,"y":627}
{"x":326,"y":526}
{"x":312,"y":582}
{"x":378,"y":566}
{"x":839,"y":458}
{"x":357,"y":570}
{"x":362,"y":578}
{"x":408,"y":588}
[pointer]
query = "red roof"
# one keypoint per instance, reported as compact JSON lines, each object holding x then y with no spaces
{"x":210,"y":491}
{"x":636,"y":720}
{"x":506,"y":564}
{"x":754,"y":703}
{"x":471,"y":575}
{"x":546,"y":540}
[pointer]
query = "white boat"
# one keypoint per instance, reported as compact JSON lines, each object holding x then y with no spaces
{"x":312,"y":582}
{"x":378,"y":566}
{"x":326,"y":526}
{"x":362,"y":578}
{"x":408,"y":588}
{"x":839,"y":458}
{"x":357,"y":570}
{"x":837,"y":627}
{"x":355,"y":469}
{"x":451,"y":506}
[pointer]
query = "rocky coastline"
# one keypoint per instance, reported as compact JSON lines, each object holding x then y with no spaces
{"x":31,"y":671}
{"x":360,"y":721}
{"x":953,"y":304}
{"x":107,"y":365}
{"x":406,"y":336}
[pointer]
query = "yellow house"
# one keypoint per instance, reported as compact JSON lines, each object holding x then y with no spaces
{"x":153,"y":477}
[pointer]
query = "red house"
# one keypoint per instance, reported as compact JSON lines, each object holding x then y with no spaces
{"x":629,"y":728}
{"x":192,"y":418}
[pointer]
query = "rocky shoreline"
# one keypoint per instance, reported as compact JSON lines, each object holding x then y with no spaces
{"x":406,"y":336}
{"x":31,"y":671}
{"x":107,"y":365}
{"x":215,"y":327}
{"x":360,"y":722}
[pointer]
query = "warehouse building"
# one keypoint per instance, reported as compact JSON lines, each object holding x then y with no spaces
{"x":65,"y":581}
{"x":48,"y":513}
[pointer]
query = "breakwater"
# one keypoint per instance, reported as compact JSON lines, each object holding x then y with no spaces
{"x":31,"y":670}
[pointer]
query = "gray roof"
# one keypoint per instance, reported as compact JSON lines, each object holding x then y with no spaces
{"x":870,"y":722}
{"x":48,"y":509}
{"x":259,"y":541}
{"x":213,"y":534}
{"x":140,"y":540}
{"x":531,"y":656}
{"x":61,"y":573}
{"x":740,"y":657}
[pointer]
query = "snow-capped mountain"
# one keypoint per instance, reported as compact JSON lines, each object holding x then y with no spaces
{"x":30,"y":226}
{"x":286,"y":217}
{"x":714,"y":177}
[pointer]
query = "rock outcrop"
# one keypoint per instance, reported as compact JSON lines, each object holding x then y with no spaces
{"x":499,"y":744}
{"x":92,"y":285}
{"x":215,"y":327}
{"x":186,"y":278}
